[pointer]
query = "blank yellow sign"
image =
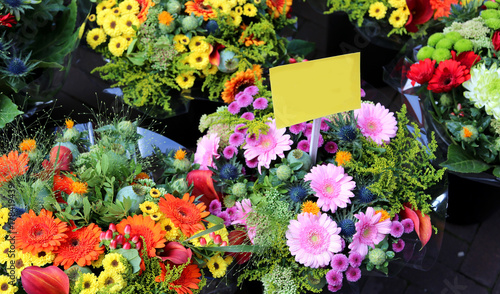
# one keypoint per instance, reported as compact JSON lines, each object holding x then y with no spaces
{"x":312,"y":89}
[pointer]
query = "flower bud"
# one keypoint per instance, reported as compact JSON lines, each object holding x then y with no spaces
{"x":138,"y":245}
{"x":127,"y":246}
{"x":112,"y":227}
{"x":127,"y":230}
{"x":203,"y":241}
{"x":292,"y":60}
{"x":224,"y":243}
{"x":135,"y":239}
{"x":119,"y":239}
{"x":109,"y":235}
{"x":102,"y":236}
{"x":112,"y":244}
{"x":39,"y":280}
{"x":217,"y":239}
{"x":212,"y":235}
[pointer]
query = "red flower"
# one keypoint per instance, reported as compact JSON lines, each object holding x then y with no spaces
{"x":467,"y":58}
{"x":496,"y":40}
{"x":422,"y":71}
{"x":176,"y":253}
{"x":7,"y":20}
{"x":239,"y":238}
{"x":421,"y":12}
{"x":448,"y":75}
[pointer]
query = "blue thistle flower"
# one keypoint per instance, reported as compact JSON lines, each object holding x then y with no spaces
{"x":17,"y":212}
{"x":212,"y":26}
{"x":17,"y":67}
{"x":347,"y":133}
{"x":365,"y":195}
{"x":347,"y":227}
{"x":297,"y":193}
{"x":229,"y":172}
{"x":13,"y":3}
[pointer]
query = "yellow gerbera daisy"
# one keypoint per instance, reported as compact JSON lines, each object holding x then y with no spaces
{"x":185,"y":80}
{"x":377,"y":10}
{"x":398,"y":19}
{"x":217,"y":266}
{"x":111,"y":281}
{"x":117,"y":46}
{"x":6,"y":286}
{"x":148,"y":207}
{"x":115,"y":11}
{"x":129,"y":7}
{"x":127,"y":23}
{"x":112,"y":26}
{"x":114,"y":262}
{"x":198,"y":44}
{"x":155,"y":193}
{"x":42,"y":258}
{"x":249,"y":10}
{"x":87,"y":283}
{"x":397,"y":3}
{"x":198,"y":60}
{"x":239,"y":10}
{"x":169,"y":227}
{"x":96,"y":37}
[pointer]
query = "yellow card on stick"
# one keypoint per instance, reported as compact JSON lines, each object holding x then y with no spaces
{"x":312,"y":89}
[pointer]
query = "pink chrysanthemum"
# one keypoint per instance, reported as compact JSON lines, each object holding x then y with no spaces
{"x":398,"y":246}
{"x":229,"y":152}
{"x":243,"y":99}
{"x":296,"y":129}
{"x":308,"y":130}
{"x":206,"y":151}
{"x":215,"y":207}
{"x":260,"y":103}
{"x":397,"y":229}
{"x":376,"y":122}
{"x":240,"y":128}
{"x":304,"y":145}
{"x":363,"y":93}
{"x":236,"y":139}
{"x":251,"y":139}
{"x":339,"y":262}
{"x":353,"y":274}
{"x":369,"y":231}
{"x":313,"y":239}
{"x":251,"y":90}
{"x":248,"y":116}
{"x":333,"y":288}
{"x":231,"y":211}
{"x":225,"y":216}
{"x":331,"y":185}
{"x":408,"y":225}
{"x":270,"y":145}
{"x":321,"y":141}
{"x":334,"y":277}
{"x":331,"y":147}
{"x":355,"y":259}
{"x":324,"y":126}
{"x":234,"y":108}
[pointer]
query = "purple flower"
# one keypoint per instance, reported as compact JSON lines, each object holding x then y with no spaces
{"x":215,"y":207}
{"x":408,"y":225}
{"x":248,"y":116}
{"x":303,"y":145}
{"x":353,"y":274}
{"x":296,"y":129}
{"x":232,"y":212}
{"x":355,"y":259}
{"x":234,"y":108}
{"x":363,"y":93}
{"x":229,"y":152}
{"x":251,"y":90}
{"x":324,"y":127}
{"x":243,"y":99}
{"x":398,"y":246}
{"x":333,"y":288}
{"x":339,"y":262}
{"x":252,"y":139}
{"x":252,"y":163}
{"x":236,"y":139}
{"x":334,"y":278}
{"x":321,"y":141}
{"x":308,"y":130}
{"x":240,"y":129}
{"x":260,"y":103}
{"x":331,"y":147}
{"x":397,"y":229}
{"x":226,"y":217}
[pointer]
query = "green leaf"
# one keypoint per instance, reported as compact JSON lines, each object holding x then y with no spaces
{"x":8,"y":111}
{"x":214,"y":219}
{"x":86,"y":207}
{"x":104,"y":163}
{"x":496,"y":171}
{"x":300,"y":47}
{"x":207,"y":231}
{"x":459,"y":161}
{"x":132,"y":255}
{"x":234,"y":248}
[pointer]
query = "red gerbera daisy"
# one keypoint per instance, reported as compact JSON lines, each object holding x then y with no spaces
{"x":143,"y":14}
{"x":448,"y":75}
{"x":184,"y":213}
{"x":189,"y":279}
{"x":144,"y":226}
{"x":422,"y":71}
{"x":467,"y":58}
{"x":198,"y":8}
{"x":13,"y":165}
{"x":81,"y":246}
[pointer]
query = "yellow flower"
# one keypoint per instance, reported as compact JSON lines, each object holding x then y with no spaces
{"x":217,"y":266}
{"x":69,"y":123}
{"x":127,"y":23}
{"x":129,"y":6}
{"x":228,"y":259}
{"x":3,"y":234}
{"x":236,"y":18}
{"x":117,"y":46}
{"x":239,"y":10}
{"x":148,"y":207}
{"x":100,"y":7}
{"x":183,"y":39}
{"x":256,"y":2}
{"x":27,"y":145}
{"x":185,"y":80}
{"x":42,"y":258}
{"x":112,"y":281}
{"x":79,"y":187}
{"x":377,"y":10}
{"x":98,"y":263}
{"x":129,"y":39}
{"x":199,"y":44}
{"x":109,"y":3}
{"x":101,"y":16}
{"x":180,"y":154}
{"x":404,"y":10}
{"x":310,"y":207}
{"x":91,"y":17}
{"x":210,"y":70}
{"x":114,"y":262}
{"x":241,"y":2}
{"x":88,"y":283}
{"x":111,"y":26}
{"x":343,"y":157}
{"x":165,"y":18}
{"x":155,"y":193}
{"x":198,"y":60}
{"x":4,"y":251}
{"x":21,"y":261}
{"x":169,"y":227}
{"x":249,"y":10}
{"x":232,"y":3}
{"x":222,"y":6}
{"x":6,"y":286}
{"x":398,"y":19}
{"x":115,"y":11}
{"x":156,"y":216}
{"x":178,"y":45}
{"x":397,"y":3}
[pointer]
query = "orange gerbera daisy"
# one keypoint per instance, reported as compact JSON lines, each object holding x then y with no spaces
{"x":81,"y":246}
{"x":237,"y":84}
{"x":27,"y":145}
{"x":13,"y":165}
{"x":144,"y":226}
{"x":277,"y":6}
{"x":39,"y":233}
{"x":189,"y":279}
{"x":184,"y":213}
{"x":143,"y":14}
{"x":198,"y":8}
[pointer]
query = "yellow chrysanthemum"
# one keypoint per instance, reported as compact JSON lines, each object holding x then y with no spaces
{"x":129,"y":7}
{"x":115,"y":11}
{"x":377,"y":10}
{"x":129,"y":39}
{"x":232,"y":3}
{"x":117,"y":46}
{"x":127,"y":23}
{"x":109,"y":3}
{"x":183,"y":39}
{"x":221,"y":6}
{"x":21,"y":261}
{"x":199,"y":44}
{"x":217,"y":266}
{"x":148,"y":207}
{"x":169,"y":227}
{"x":178,"y":43}
{"x":114,"y":262}
{"x":112,"y":26}
{"x":343,"y":157}
{"x":249,"y":10}
{"x":42,"y":258}
{"x":198,"y":60}
{"x":6,"y":286}
{"x":156,"y":216}
{"x":185,"y":80}
{"x":237,"y":19}
{"x":404,"y":10}
{"x":310,"y":207}
{"x":98,"y":263}
{"x":111,"y":281}
{"x":88,"y":283}
{"x":239,"y":10}
{"x":101,"y":16}
{"x":92,"y":17}
{"x":398,"y":19}
{"x":155,"y":193}
{"x":3,"y":234}
{"x":222,"y":232}
{"x":397,"y":3}
{"x":242,"y":2}
{"x":4,"y":215}
{"x":100,"y":7}
{"x":4,"y":251}
{"x":256,"y":2}
{"x":228,"y":259}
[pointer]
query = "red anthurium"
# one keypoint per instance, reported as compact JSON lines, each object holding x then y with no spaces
{"x":214,"y":56}
{"x":176,"y":253}
{"x":48,"y":280}
{"x":422,"y":223}
{"x":420,"y":12}
{"x":239,"y":238}
{"x":203,"y":185}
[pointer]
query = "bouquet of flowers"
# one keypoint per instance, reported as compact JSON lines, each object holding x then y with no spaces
{"x":161,"y":53}
{"x":316,"y":224}
{"x":35,"y":39}
{"x":81,"y":214}
{"x":458,"y":72}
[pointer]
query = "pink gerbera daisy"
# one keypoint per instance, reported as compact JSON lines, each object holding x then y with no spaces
{"x":243,"y":208}
{"x":376,"y":122}
{"x":331,"y":185}
{"x":313,"y":239}
{"x":369,"y":231}
{"x":206,"y":151}
{"x":270,"y":145}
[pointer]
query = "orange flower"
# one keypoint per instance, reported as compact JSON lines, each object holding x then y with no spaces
{"x":13,"y":165}
{"x":141,"y":176}
{"x":189,"y":279}
{"x":180,"y":154}
{"x":184,"y":213}
{"x":442,"y":7}
{"x":62,"y":183}
{"x":310,"y":207}
{"x":39,"y":233}
{"x":198,"y":8}
{"x":237,"y":84}
{"x":277,"y":6}
{"x":343,"y":157}
{"x":27,"y":145}
{"x":144,"y":226}
{"x":79,"y":187}
{"x":165,"y":18}
{"x":81,"y":246}
{"x":143,"y":14}
{"x":257,"y":69}
{"x":69,"y":123}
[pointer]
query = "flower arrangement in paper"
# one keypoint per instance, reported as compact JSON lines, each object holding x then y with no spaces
{"x":458,"y":70}
{"x":163,"y":52}
{"x":316,"y":225}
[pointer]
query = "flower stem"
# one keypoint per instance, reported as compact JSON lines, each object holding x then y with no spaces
{"x":433,"y":102}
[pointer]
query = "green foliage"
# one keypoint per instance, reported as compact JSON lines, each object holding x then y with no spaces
{"x":8,"y":111}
